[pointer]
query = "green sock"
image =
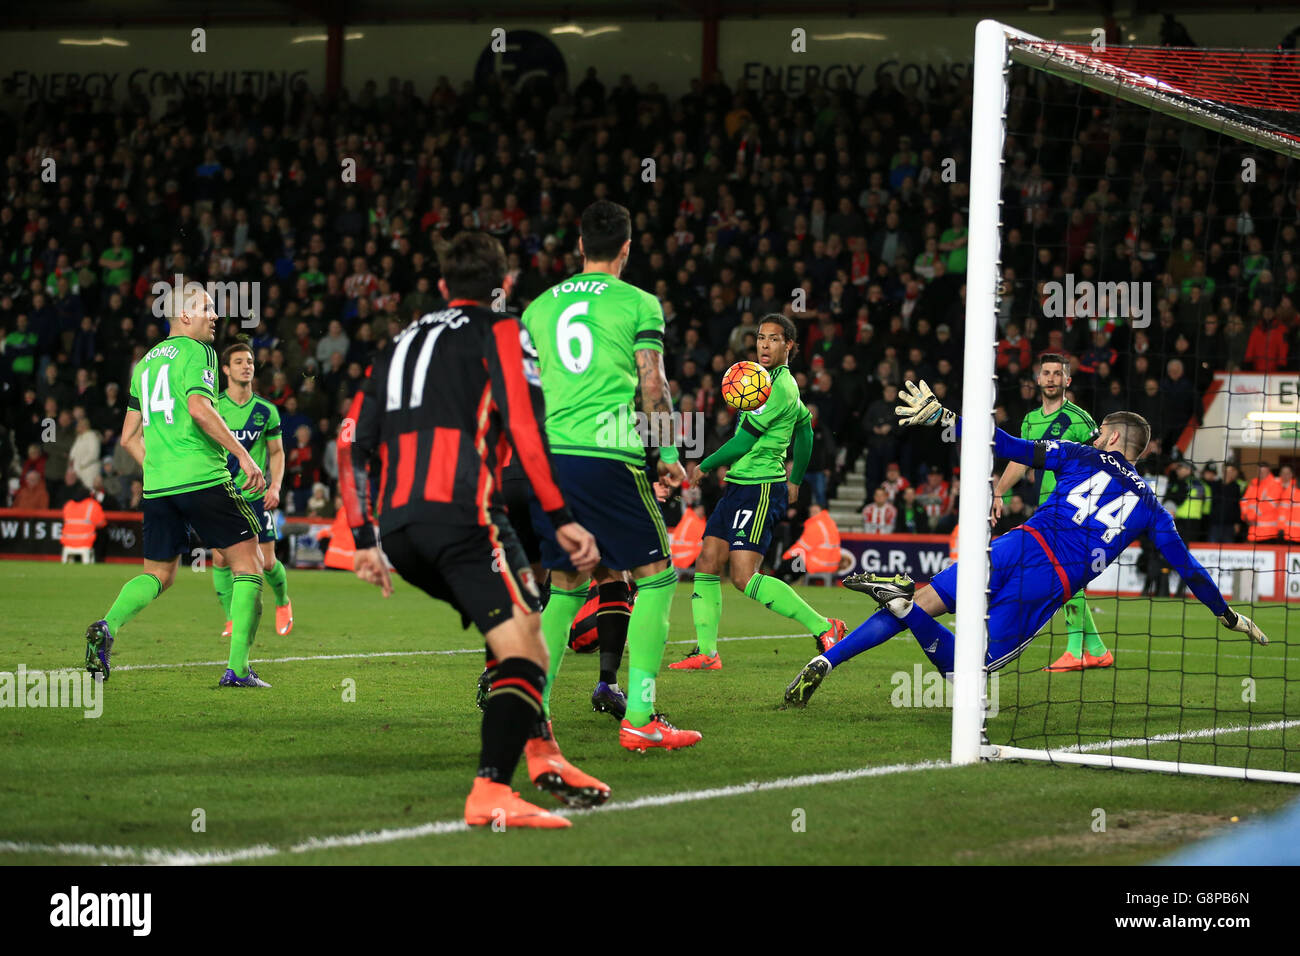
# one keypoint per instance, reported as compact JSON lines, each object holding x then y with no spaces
{"x":776,"y":595}
{"x":223,"y":579}
{"x":246,"y":614}
{"x":1079,"y":627}
{"x":647,"y":636}
{"x":278,"y":578}
{"x":1092,"y":642}
{"x":557,"y":620}
{"x":706,"y":609}
{"x":134,"y":597}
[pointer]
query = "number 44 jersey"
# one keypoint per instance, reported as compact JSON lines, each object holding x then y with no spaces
{"x":586,"y":331}
{"x":178,"y":454}
{"x":1099,"y":507}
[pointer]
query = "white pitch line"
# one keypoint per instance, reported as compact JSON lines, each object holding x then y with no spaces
{"x":164,"y":857}
{"x":361,"y":655}
{"x":1175,"y":736}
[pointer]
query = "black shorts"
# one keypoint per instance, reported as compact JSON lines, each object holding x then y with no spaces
{"x":481,"y":571}
{"x":516,"y":494}
{"x":219,"y":515}
{"x":616,"y":503}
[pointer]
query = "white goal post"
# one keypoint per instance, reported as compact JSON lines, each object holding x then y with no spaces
{"x":996,"y":46}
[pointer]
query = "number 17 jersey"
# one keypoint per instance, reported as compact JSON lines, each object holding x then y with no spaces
{"x":586,"y":330}
{"x":178,"y":454}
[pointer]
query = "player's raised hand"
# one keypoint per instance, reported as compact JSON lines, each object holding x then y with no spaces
{"x":920,"y":407}
{"x":580,"y":545}
{"x":1239,"y":622}
{"x":256,"y":480}
{"x":370,"y":567}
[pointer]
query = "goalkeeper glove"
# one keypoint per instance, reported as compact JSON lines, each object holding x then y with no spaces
{"x":1239,"y":622}
{"x":920,"y":407}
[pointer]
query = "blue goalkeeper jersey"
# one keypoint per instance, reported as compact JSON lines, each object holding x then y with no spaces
{"x":1099,"y":506}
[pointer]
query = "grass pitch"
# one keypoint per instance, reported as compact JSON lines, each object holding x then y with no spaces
{"x":298,"y":774}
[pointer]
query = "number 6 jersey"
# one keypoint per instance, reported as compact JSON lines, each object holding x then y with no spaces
{"x":586,"y":331}
{"x":178,"y":454}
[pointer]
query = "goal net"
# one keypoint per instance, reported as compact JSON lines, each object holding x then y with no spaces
{"x":1134,"y":209}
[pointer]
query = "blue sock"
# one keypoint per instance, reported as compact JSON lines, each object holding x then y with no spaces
{"x":935,"y":639}
{"x":872,"y":632}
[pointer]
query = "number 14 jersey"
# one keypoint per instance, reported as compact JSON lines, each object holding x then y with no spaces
{"x":178,"y":454}
{"x":586,"y":331}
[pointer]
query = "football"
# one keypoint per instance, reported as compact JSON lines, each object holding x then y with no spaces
{"x":746,"y":386}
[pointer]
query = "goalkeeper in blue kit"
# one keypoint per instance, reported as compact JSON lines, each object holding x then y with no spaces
{"x":1099,"y":506}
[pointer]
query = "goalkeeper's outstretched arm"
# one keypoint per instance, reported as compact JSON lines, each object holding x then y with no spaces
{"x":1165,"y":536}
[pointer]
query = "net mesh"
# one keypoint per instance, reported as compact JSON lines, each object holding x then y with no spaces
{"x":1099,"y":187}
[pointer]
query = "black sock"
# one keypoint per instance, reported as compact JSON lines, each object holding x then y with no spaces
{"x":544,"y":591}
{"x":513,"y":706}
{"x":611,"y":626}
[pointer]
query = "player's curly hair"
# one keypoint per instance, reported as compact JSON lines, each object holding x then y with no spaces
{"x":1135,"y":432}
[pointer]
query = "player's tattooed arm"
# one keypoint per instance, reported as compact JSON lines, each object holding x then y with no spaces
{"x":657,"y":404}
{"x":656,"y":399}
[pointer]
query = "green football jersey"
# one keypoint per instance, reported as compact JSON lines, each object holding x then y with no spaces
{"x":252,"y":423}
{"x":178,"y":455}
{"x":585,"y":330}
{"x":774,"y":423}
{"x":1067,"y":423}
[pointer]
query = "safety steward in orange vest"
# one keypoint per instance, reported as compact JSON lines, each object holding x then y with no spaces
{"x":80,"y":521}
{"x":1259,"y":506}
{"x":819,"y":544}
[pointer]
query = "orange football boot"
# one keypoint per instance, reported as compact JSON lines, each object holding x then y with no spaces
{"x":495,"y":803}
{"x":1066,"y":662}
{"x":1106,"y":660}
{"x":831,"y":636}
{"x":657,"y":733}
{"x":284,"y":618}
{"x":697,"y":660}
{"x":549,"y":771}
{"x":230,"y":627}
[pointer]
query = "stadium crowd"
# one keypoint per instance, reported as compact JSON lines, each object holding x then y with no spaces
{"x":848,"y":212}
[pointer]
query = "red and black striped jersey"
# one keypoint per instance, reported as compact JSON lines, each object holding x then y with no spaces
{"x":442,"y":408}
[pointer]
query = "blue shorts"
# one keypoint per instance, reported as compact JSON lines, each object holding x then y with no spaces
{"x":747,"y":514}
{"x":219,"y":515}
{"x":1025,"y":591}
{"x":616,"y":503}
{"x":265,"y":521}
